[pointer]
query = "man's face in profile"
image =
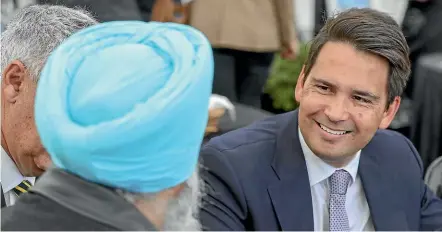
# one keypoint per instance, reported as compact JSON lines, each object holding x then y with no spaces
{"x":19,"y":133}
{"x":343,"y":101}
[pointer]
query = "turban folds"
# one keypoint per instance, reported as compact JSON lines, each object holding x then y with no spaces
{"x":125,"y":104}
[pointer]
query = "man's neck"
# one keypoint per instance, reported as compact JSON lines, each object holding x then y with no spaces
{"x":153,"y":211}
{"x":4,"y":145}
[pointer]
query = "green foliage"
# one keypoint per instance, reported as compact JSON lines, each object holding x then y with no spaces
{"x":282,"y":80}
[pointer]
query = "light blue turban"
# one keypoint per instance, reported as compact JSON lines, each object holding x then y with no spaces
{"x":125,"y":104}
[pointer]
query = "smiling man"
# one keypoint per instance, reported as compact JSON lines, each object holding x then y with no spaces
{"x":331,"y":164}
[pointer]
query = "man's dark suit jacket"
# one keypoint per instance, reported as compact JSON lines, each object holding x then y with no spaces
{"x":256,"y":179}
{"x":63,"y":202}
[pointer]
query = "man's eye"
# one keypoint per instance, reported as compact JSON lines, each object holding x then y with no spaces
{"x":322,"y":87}
{"x":361,"y":99}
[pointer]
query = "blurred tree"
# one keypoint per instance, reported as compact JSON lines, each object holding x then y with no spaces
{"x":283,"y":78}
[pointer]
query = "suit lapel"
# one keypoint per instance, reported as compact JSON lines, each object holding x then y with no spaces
{"x":292,"y":201}
{"x":380,"y":193}
{"x":291,"y":196}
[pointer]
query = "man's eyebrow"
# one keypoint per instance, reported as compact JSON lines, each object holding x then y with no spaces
{"x":324,"y":82}
{"x":361,"y":93}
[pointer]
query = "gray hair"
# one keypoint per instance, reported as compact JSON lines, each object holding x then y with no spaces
{"x":369,"y":31}
{"x":35,"y":31}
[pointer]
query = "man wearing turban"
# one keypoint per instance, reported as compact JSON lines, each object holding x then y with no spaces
{"x":121,"y":108}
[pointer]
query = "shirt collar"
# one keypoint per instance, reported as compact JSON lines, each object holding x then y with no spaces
{"x":318,"y":170}
{"x":10,"y":175}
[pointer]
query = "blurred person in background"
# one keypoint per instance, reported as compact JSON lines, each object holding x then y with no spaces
{"x":113,"y":10}
{"x":103,"y":10}
{"x":423,"y":32}
{"x":10,"y":7}
{"x":164,"y":10}
{"x":30,"y":37}
{"x":331,"y":164}
{"x":327,"y":8}
{"x":124,"y":136}
{"x":245,"y":34}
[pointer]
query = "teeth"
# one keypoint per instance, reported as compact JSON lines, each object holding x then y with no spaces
{"x":330,"y":131}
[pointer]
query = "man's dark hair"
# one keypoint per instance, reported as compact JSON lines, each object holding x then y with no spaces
{"x":369,"y":31}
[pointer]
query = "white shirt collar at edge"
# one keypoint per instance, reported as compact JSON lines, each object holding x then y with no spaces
{"x":10,"y":175}
{"x":318,"y":170}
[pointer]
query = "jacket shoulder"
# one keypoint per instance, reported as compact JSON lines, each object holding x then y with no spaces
{"x":394,"y":149}
{"x":248,"y":152}
{"x":259,"y":132}
{"x":392,"y":140}
{"x":42,"y":214}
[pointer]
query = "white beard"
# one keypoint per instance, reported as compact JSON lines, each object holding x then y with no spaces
{"x":182,"y":213}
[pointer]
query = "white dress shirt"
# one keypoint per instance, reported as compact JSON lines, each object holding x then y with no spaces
{"x":11,"y":177}
{"x":356,"y":203}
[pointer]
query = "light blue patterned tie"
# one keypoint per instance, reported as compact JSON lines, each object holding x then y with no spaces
{"x":338,"y":188}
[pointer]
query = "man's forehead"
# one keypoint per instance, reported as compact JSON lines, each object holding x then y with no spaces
{"x":351,"y":67}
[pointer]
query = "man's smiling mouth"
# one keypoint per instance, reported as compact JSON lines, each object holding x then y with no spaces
{"x":331,"y":131}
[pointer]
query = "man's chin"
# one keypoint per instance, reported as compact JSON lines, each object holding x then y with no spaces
{"x":43,"y":162}
{"x":31,"y":171}
{"x":335,"y":158}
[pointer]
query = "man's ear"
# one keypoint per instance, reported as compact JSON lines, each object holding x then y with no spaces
{"x":389,"y":114}
{"x":300,"y":85}
{"x":13,"y":77}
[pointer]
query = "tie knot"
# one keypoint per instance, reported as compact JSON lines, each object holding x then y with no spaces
{"x":339,"y":181}
{"x":23,"y":187}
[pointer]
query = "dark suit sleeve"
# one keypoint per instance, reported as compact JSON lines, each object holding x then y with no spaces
{"x":223,"y":204}
{"x":431,"y":205}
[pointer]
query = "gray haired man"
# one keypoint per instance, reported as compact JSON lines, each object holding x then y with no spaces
{"x":31,"y":35}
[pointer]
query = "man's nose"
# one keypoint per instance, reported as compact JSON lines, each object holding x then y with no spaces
{"x":337,"y":109}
